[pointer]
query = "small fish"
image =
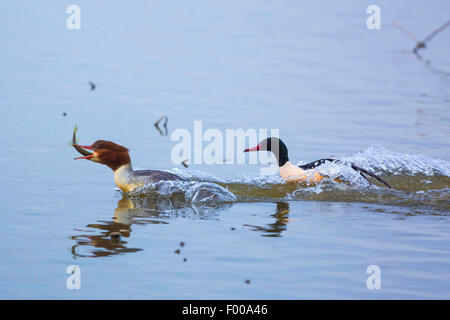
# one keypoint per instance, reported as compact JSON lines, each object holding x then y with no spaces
{"x":75,"y":143}
{"x":184,"y":163}
{"x":92,"y":85}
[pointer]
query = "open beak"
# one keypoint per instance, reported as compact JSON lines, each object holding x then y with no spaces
{"x":85,"y":157}
{"x":253,"y":149}
{"x":80,"y":149}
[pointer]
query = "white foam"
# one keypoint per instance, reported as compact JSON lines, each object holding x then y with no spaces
{"x":378,"y":158}
{"x":201,"y":187}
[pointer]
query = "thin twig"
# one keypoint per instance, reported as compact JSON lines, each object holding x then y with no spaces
{"x":159,"y":120}
{"x":422,"y":44}
{"x":409,"y":34}
{"x":435,"y":32}
{"x":164,"y":125}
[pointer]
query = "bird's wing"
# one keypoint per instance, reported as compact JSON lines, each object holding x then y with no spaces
{"x":362,"y":171}
{"x":157,"y":175}
{"x":315,"y":164}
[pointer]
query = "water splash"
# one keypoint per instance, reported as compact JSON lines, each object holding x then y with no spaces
{"x":381,"y":160}
{"x":189,"y":191}
{"x":417,"y":180}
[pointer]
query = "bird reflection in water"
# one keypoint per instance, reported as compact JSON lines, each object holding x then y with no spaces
{"x":281,"y":220}
{"x":108,"y":238}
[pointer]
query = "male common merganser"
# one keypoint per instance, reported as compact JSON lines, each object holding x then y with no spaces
{"x":290,"y":172}
{"x":117,"y":158}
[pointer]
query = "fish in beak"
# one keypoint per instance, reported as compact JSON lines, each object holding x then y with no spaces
{"x":81,"y":149}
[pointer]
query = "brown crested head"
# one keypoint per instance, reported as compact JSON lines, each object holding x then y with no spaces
{"x":108,"y":153}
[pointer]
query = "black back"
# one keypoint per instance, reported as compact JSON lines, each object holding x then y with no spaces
{"x":157,"y":175}
{"x":315,"y":164}
{"x":361,"y":171}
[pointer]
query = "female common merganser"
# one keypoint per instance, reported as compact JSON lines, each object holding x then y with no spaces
{"x":117,"y":158}
{"x":290,"y":172}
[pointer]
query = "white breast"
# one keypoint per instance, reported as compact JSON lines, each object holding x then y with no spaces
{"x":124,"y":178}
